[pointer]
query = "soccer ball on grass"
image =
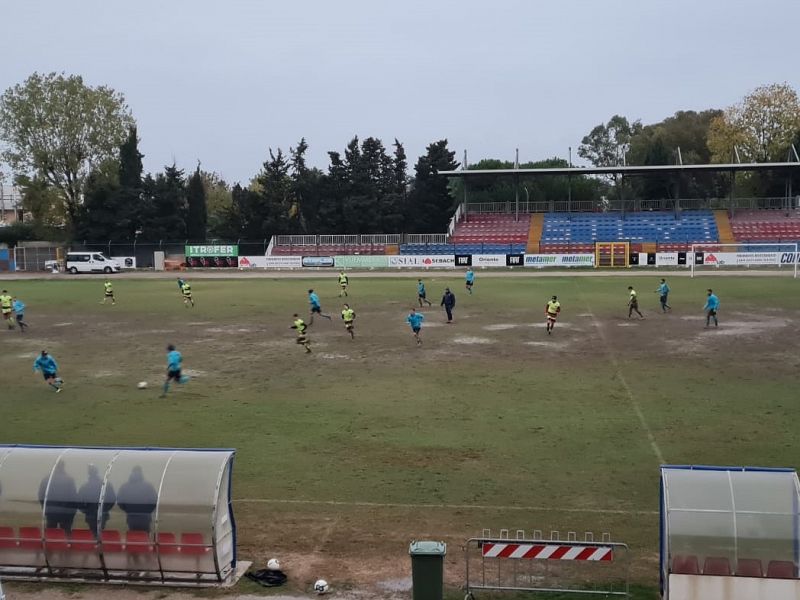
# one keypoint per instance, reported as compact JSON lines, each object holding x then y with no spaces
{"x":141,"y":385}
{"x":273,"y":564}
{"x":321,"y":586}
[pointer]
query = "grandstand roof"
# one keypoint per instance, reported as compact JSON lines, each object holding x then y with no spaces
{"x":627,"y":170}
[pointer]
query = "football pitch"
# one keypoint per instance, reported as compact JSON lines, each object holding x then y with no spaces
{"x":348,"y":453}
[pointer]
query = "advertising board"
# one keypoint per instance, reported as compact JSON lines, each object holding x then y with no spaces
{"x":426,"y":261}
{"x":559,"y":260}
{"x":356,"y":261}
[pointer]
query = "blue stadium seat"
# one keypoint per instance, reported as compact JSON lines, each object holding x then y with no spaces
{"x":587,"y":228}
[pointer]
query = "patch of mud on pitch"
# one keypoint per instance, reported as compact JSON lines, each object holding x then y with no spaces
{"x":559,"y":325}
{"x":469,"y":340}
{"x":193,"y":372}
{"x":101,"y":374}
{"x":744,"y":327}
{"x":552,"y":344}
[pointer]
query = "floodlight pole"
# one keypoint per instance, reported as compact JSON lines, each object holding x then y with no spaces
{"x":516,"y":187}
{"x":569,"y":182}
{"x":464,"y":168}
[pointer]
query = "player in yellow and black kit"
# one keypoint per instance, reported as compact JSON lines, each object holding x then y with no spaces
{"x":633,"y":303}
{"x":343,"y":283}
{"x":551,"y":311}
{"x":5,"y":308}
{"x":108,"y":292}
{"x":186,"y":290}
{"x":301,"y":328}
{"x":348,"y":316}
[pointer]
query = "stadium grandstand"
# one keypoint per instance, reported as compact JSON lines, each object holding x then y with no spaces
{"x":576,"y":227}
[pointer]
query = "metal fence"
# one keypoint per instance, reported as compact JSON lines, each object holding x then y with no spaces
{"x":633,"y":205}
{"x":36,"y":258}
{"x":359,"y":240}
{"x":537,"y":563}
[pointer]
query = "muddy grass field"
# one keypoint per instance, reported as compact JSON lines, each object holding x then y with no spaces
{"x":347,"y":454}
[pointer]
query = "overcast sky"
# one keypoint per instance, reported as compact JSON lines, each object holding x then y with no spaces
{"x":223,"y":80}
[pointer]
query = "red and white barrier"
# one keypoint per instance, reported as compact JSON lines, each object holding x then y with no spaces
{"x":548,"y":551}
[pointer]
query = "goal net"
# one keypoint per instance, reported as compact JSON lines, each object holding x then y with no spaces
{"x":743,"y":256}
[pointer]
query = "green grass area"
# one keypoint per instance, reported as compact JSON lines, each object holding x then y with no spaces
{"x":347,"y":454}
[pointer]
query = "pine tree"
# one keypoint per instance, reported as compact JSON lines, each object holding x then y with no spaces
{"x":167,"y":218}
{"x":197,"y":213}
{"x":431,"y":204}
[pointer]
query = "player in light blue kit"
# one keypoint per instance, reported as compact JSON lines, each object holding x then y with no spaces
{"x":663,"y":295}
{"x":19,"y":311}
{"x":49,"y":368}
{"x":422,"y":295}
{"x":470,"y":280}
{"x":415,"y":319}
{"x":316,"y":308}
{"x":174,"y":364}
{"x":711,"y":308}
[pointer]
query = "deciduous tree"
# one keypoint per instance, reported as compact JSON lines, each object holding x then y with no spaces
{"x":762,"y":126}
{"x":59,"y":129}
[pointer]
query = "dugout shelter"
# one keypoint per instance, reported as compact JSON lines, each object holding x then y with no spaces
{"x":729,"y":533}
{"x":129,"y":515}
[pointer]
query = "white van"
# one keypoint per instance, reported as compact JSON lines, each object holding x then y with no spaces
{"x":91,"y":262}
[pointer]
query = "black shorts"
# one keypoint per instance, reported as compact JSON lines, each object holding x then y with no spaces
{"x":6,"y":313}
{"x":20,"y":317}
{"x":469,"y":283}
{"x":712,"y":313}
{"x":47,"y":376}
{"x":423,"y":296}
{"x":348,"y":324}
{"x":316,"y":309}
{"x":109,"y":294}
{"x":416,"y":329}
{"x":176,"y":375}
{"x":302,"y":339}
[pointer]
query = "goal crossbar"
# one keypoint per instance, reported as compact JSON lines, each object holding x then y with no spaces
{"x":746,"y":255}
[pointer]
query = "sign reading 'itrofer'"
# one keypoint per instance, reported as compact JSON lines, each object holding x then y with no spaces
{"x":212,"y":250}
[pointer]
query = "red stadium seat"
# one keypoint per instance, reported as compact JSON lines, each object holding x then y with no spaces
{"x":716,"y":565}
{"x":7,"y":539}
{"x":138,"y":542}
{"x":30,"y":538}
{"x":749,"y":567}
{"x":781,"y":569}
{"x":167,"y":543}
{"x":55,"y":540}
{"x":83,"y":540}
{"x":111,"y":541}
{"x":193,"y":543}
{"x":685,"y":565}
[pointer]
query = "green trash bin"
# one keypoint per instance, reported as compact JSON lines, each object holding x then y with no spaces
{"x":427,"y":569}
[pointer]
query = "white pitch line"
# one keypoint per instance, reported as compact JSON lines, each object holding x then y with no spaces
{"x":618,"y":373}
{"x":356,"y":503}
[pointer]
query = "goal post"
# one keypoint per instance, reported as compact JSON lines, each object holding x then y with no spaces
{"x":745,"y":255}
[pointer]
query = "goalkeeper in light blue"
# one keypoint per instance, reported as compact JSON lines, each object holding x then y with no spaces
{"x":711,"y":307}
{"x":174,"y":365}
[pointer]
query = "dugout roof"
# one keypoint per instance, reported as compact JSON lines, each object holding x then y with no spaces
{"x":729,"y":513}
{"x":625,"y":170}
{"x":117,"y":514}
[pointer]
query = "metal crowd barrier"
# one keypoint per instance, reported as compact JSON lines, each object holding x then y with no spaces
{"x":535,"y":564}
